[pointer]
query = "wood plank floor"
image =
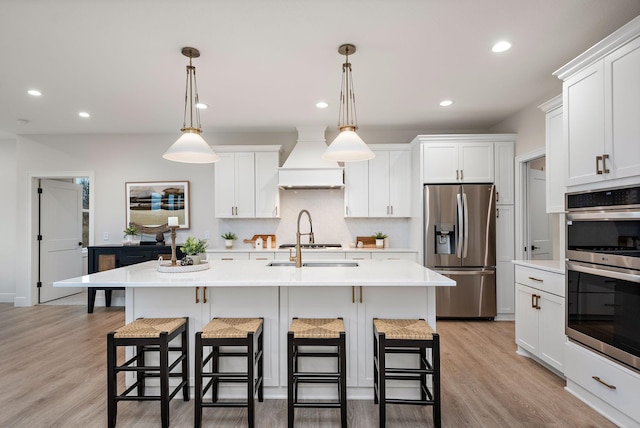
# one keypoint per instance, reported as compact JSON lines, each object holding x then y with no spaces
{"x":52,"y":374}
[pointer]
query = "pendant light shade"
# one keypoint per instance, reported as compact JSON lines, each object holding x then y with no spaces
{"x":347,"y":146}
{"x":191,"y":147}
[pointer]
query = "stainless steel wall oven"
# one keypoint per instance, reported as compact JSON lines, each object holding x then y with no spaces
{"x":603,"y":272}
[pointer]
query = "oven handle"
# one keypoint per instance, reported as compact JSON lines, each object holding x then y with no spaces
{"x":606,"y":215}
{"x":603,"y":271}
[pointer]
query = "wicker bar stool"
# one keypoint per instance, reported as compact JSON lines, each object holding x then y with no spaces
{"x":246,"y":332}
{"x":148,"y":335}
{"x":316,"y":332}
{"x":406,"y":336}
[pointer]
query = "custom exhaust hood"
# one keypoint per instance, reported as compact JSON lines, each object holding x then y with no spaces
{"x":305,"y":168}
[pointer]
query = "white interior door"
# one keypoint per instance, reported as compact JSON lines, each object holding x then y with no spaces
{"x":61,"y":243}
{"x":539,"y":242}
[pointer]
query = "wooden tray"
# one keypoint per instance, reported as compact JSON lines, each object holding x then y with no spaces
{"x":252,"y":241}
{"x":368,"y":241}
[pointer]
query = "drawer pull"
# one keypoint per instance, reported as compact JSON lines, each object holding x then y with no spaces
{"x":204,"y":294}
{"x":535,"y":279}
{"x":227,"y":258}
{"x":261,"y":258}
{"x":197,"y":299}
{"x":597,"y":379}
{"x":353,"y":294}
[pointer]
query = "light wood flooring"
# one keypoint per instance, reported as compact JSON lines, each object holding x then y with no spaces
{"x":52,"y":374}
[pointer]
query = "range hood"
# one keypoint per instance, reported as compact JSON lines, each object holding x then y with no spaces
{"x":305,"y":168}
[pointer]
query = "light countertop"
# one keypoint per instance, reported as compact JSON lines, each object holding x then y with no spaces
{"x":555,"y":266}
{"x":313,"y":250}
{"x":239,"y":273}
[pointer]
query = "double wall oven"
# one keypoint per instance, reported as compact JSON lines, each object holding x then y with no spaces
{"x":603,"y":272}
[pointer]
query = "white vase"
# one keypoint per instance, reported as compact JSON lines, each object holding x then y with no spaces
{"x":228,"y":243}
{"x":379,"y":243}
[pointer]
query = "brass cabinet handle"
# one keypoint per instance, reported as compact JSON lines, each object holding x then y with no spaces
{"x":204,"y":294}
{"x":533,"y":301}
{"x":497,"y":212}
{"x":535,"y":279}
{"x":227,"y":258}
{"x":598,"y":159}
{"x":461,"y":175}
{"x":361,"y":294}
{"x":497,"y":196}
{"x":597,"y":379}
{"x":261,"y":258}
{"x":537,"y":302}
{"x":457,"y":175}
{"x":604,"y":164}
{"x":353,"y":294}
{"x":197,"y":298}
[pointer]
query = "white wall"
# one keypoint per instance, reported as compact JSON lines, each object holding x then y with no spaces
{"x":8,"y":220}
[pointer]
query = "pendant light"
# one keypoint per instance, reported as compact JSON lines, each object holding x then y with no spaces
{"x":347,"y":146}
{"x":191,"y":147}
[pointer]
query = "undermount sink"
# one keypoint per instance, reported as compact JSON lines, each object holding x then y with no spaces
{"x":312,"y":246}
{"x":316,"y":264}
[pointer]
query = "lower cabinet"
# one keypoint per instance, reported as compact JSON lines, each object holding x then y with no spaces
{"x":357,"y":306}
{"x":610,"y":388}
{"x":540,"y":317}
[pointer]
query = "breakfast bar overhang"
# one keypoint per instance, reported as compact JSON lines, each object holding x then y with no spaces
{"x":356,"y":291}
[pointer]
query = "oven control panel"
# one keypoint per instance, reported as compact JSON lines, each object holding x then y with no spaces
{"x":613,"y":198}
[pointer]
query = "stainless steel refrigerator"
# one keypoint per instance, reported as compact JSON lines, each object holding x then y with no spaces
{"x":460,"y":243}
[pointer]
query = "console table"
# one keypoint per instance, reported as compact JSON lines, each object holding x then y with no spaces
{"x":105,"y":257}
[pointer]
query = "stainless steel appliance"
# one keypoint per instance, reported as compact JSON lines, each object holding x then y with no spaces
{"x":460,"y":243}
{"x":603,"y":272}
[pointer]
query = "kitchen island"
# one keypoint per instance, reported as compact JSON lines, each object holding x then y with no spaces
{"x":356,"y":291}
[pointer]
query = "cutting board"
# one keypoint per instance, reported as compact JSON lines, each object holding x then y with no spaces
{"x":252,"y":241}
{"x":367,"y":241}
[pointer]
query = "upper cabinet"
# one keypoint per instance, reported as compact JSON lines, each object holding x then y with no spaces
{"x":555,"y":159}
{"x":462,"y":162}
{"x":601,"y":107}
{"x":504,"y":172}
{"x":379,"y":187}
{"x":246,"y":182}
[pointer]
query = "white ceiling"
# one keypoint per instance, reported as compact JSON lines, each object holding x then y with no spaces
{"x":265,"y":63}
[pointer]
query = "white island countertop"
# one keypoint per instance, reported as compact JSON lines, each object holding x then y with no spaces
{"x":252,"y":273}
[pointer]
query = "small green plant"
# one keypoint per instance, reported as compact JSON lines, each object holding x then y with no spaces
{"x":193,"y":246}
{"x":379,"y":235}
{"x":229,"y":235}
{"x":130,"y":230}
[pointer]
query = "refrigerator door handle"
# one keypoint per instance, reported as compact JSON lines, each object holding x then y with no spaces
{"x":460,"y":226}
{"x":465,"y":210}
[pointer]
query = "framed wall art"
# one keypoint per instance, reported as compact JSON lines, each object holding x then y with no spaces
{"x":152,"y":203}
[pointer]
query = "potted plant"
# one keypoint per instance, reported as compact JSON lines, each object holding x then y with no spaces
{"x":193,"y":247}
{"x":131,"y":235}
{"x":380,"y":237}
{"x":229,"y":237}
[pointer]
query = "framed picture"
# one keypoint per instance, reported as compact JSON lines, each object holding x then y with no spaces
{"x":152,"y":203}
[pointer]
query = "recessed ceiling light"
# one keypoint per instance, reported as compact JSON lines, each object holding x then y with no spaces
{"x":501,"y":46}
{"x":446,"y":103}
{"x":34,"y":92}
{"x":202,"y":106}
{"x":322,"y":104}
{"x":84,"y":114}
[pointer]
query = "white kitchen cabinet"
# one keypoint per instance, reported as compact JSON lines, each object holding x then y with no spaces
{"x":504,"y":172}
{"x":622,"y":110}
{"x":356,"y":189}
{"x":555,"y":155}
{"x":246,"y":182}
{"x":505,"y":253}
{"x":540,"y":315}
{"x":389,"y":184}
{"x":227,"y":255}
{"x":600,"y":108}
{"x":267,"y":193}
{"x":379,"y":187}
{"x":235,"y":185}
{"x":609,"y":387}
{"x":357,"y":306}
{"x":463,"y":162}
{"x":201,"y":304}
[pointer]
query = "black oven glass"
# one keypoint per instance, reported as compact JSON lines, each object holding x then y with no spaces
{"x":621,"y":237}
{"x":605,"y":308}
